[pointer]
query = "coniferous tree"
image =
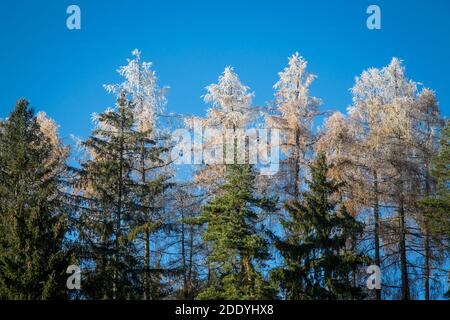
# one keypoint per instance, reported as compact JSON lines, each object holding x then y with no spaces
{"x":296,"y":110}
{"x":109,"y":206}
{"x":317,"y":264}
{"x":151,"y":168}
{"x":437,"y":206}
{"x":238,"y":249}
{"x":33,"y":216}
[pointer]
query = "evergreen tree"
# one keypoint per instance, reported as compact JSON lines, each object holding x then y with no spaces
{"x":238,"y":250}
{"x":33,"y":217}
{"x":152,"y":171}
{"x":437,"y":206}
{"x":109,"y":206}
{"x":317,"y":262}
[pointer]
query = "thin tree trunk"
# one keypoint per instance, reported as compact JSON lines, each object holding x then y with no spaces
{"x":119,"y":209}
{"x":183,"y":256}
{"x":296,"y":164}
{"x":427,"y":242}
{"x":191,"y":257}
{"x":146,"y":265}
{"x":146,"y":295}
{"x":376,"y":216}
{"x":403,"y":258}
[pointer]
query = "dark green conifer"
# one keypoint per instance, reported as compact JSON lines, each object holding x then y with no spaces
{"x":317,"y":261}
{"x":33,"y":217}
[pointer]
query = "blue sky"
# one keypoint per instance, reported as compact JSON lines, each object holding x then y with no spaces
{"x":190,"y":42}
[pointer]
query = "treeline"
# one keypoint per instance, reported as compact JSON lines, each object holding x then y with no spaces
{"x":367,"y":188}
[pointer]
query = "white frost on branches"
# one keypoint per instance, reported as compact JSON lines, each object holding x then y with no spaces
{"x":296,"y":110}
{"x":231,"y":102}
{"x":49,"y":129}
{"x":140,"y":86}
{"x":294,"y":102}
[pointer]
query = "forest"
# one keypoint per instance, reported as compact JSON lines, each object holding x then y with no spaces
{"x":366,"y":188}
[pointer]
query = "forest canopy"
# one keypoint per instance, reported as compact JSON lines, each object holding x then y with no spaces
{"x":366,"y":188}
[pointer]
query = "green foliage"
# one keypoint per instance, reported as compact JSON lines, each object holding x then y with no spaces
{"x":318,"y":262}
{"x":118,"y":200}
{"x":238,"y":249}
{"x":438,"y":205}
{"x":32,"y":215}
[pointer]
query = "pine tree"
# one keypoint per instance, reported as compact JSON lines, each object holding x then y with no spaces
{"x":33,"y":216}
{"x":238,"y":249}
{"x":317,"y":262}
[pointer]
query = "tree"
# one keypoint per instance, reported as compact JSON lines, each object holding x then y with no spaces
{"x":437,"y":206}
{"x":109,"y":207}
{"x":238,"y":250}
{"x":33,"y":214}
{"x":317,"y":264}
{"x":191,"y":246}
{"x":231,"y":111}
{"x":296,"y":111}
{"x":150,"y":164}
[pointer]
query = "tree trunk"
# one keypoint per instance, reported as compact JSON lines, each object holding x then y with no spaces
{"x":427,"y":241}
{"x":146,"y":265}
{"x":191,"y":257}
{"x":376,"y":217}
{"x":147,"y":280}
{"x":403,"y":258}
{"x":296,"y":164}
{"x":183,"y":256}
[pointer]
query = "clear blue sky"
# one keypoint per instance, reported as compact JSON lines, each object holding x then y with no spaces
{"x":190,"y":42}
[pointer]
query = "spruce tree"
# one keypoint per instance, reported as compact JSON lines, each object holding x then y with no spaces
{"x":152,"y":171}
{"x":109,"y":207}
{"x":118,"y":206}
{"x":317,"y":261}
{"x":238,"y":249}
{"x":33,"y":217}
{"x":437,"y":206}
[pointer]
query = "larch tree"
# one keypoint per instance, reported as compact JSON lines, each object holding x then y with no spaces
{"x":364,"y":117}
{"x":389,"y":117}
{"x":378,"y":94}
{"x":33,"y":214}
{"x":231,"y":112}
{"x":296,"y":111}
{"x":338,"y":142}
{"x":191,"y":247}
